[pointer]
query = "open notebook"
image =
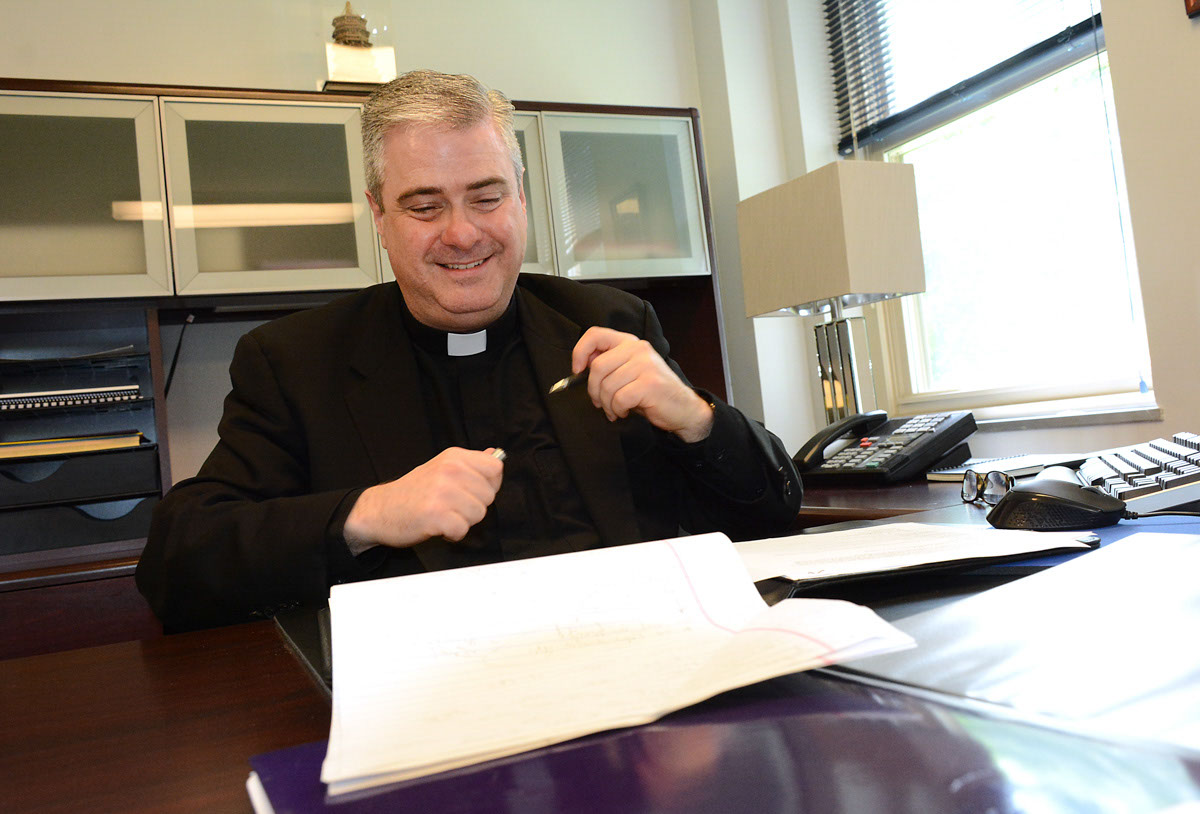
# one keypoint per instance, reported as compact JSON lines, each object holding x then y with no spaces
{"x":442,"y":670}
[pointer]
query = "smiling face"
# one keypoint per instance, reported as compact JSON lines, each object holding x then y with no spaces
{"x":451,"y":216}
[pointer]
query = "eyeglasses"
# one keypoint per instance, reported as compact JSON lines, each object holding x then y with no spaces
{"x":989,"y":487}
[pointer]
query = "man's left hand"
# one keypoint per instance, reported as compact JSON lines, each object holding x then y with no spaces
{"x":626,"y":374}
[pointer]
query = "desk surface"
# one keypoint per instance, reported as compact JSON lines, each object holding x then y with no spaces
{"x":842,"y":503}
{"x":171,"y":725}
{"x":162,"y":725}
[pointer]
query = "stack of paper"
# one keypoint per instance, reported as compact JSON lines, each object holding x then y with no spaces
{"x":890,"y":548}
{"x":446,"y":669}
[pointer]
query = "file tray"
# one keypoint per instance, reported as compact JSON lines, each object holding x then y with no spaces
{"x":26,"y":530}
{"x":79,"y":477}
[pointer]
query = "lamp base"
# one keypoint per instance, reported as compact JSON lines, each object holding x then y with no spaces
{"x":844,"y":366}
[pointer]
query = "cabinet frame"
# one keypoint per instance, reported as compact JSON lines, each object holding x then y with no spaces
{"x":156,"y":278}
{"x":694,"y":223}
{"x":189,"y":277}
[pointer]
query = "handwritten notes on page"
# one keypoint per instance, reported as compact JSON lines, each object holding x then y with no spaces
{"x":441,"y":670}
{"x":893,"y":546}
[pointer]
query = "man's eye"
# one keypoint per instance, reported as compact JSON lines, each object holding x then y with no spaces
{"x":490,"y":202}
{"x":424,"y":210}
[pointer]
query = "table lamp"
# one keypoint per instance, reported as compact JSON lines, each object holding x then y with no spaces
{"x":841,"y":236}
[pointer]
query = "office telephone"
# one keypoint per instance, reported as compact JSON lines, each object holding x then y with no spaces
{"x":871,"y":448}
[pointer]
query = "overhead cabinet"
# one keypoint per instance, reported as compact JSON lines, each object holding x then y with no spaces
{"x":625,"y":196}
{"x":105,"y":195}
{"x":539,"y":241}
{"x":259,"y":196}
{"x":267,"y":197}
{"x":81,"y":197}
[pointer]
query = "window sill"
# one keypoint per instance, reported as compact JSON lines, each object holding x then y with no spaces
{"x":1123,"y":409}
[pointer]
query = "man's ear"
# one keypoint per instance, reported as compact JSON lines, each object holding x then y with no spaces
{"x":377,"y":216}
{"x":376,"y":209}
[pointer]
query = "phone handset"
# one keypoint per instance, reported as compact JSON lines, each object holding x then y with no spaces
{"x":812,"y":454}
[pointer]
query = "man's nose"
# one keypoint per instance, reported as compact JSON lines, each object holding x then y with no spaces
{"x":461,"y":231}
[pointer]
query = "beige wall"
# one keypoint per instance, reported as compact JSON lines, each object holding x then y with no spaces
{"x":1154,"y":51}
{"x":619,"y":51}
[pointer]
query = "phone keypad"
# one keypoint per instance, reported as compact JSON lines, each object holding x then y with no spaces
{"x":873,"y":452}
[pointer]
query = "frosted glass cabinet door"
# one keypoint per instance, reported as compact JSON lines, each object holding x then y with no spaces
{"x":81,"y":198}
{"x":539,"y":247}
{"x":267,"y":197}
{"x":625,"y":193}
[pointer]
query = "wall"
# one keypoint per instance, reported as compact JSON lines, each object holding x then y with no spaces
{"x":618,"y":52}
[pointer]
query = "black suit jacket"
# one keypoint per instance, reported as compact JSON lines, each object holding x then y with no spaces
{"x":327,"y":402}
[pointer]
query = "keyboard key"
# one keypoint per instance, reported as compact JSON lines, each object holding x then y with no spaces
{"x":1150,"y":453}
{"x":1139,"y":489}
{"x":1187,"y":439}
{"x":1095,"y":472}
{"x":1147,"y":466}
{"x":1178,"y":450}
{"x":1119,"y":465}
{"x":1168,"y":481}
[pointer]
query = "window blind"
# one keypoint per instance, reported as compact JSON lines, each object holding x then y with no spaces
{"x":890,"y":86}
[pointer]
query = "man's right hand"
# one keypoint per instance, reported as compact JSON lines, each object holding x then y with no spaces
{"x":443,"y":497}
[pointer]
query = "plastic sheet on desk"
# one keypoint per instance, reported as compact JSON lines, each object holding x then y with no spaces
{"x":1106,"y":641}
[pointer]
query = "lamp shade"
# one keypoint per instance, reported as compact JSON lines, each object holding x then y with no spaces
{"x":847,"y":231}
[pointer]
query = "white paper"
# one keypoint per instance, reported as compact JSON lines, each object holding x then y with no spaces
{"x":890,"y":546}
{"x":445,"y":669}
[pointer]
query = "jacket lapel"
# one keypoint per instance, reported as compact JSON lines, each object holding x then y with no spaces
{"x":591,"y":445}
{"x":388,"y":388}
{"x":385,"y":403}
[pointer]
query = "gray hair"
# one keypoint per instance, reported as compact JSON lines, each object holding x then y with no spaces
{"x":453,"y":101}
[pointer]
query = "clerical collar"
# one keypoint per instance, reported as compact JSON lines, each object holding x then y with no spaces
{"x":443,"y":343}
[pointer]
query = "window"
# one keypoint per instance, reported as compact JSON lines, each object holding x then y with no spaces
{"x":1031,"y":287}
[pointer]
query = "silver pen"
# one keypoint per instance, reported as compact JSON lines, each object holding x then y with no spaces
{"x":567,"y":382}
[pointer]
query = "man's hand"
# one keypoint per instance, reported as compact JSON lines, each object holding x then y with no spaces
{"x":626,"y":374}
{"x":443,"y":497}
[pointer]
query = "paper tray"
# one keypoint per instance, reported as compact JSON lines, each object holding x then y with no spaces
{"x":27,"y":530}
{"x":78,"y":478}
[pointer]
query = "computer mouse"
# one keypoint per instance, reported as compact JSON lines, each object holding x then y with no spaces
{"x":1052,"y":502}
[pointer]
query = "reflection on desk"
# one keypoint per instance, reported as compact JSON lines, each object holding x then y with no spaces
{"x":167,"y":724}
{"x":1105,"y":642}
{"x":802,"y":743}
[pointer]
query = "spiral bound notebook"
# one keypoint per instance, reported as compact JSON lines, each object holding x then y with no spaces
{"x":1015,"y":465}
{"x":69,"y":398}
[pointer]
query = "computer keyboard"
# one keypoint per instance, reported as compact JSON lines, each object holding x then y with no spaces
{"x":1155,"y":475}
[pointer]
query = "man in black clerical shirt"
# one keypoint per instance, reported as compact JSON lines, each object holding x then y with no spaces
{"x":358,"y":440}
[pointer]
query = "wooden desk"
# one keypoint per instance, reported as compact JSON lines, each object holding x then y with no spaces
{"x":824,"y":505}
{"x":170,"y":724}
{"x":162,"y":725}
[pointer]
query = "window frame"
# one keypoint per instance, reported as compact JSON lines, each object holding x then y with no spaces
{"x":887,"y":321}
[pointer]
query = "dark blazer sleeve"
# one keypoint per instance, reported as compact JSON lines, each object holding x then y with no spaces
{"x":739,"y":480}
{"x":245,"y":537}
